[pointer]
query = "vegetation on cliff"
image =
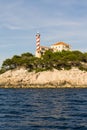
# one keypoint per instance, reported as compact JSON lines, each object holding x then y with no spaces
{"x":50,"y":60}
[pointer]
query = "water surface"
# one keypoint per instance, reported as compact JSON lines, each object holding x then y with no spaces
{"x":43,"y":109}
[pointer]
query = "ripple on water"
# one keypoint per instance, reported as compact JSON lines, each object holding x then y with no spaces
{"x":43,"y":109}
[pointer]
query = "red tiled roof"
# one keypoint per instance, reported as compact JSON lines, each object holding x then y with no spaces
{"x":60,"y":43}
{"x":44,"y":47}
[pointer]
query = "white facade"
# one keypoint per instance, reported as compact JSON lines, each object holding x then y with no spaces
{"x":38,"y":54}
{"x":60,"y":46}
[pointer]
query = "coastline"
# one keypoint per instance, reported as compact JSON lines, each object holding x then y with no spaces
{"x":38,"y":86}
{"x":21,"y":78}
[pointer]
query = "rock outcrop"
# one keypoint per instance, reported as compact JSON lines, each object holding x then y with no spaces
{"x":51,"y":79}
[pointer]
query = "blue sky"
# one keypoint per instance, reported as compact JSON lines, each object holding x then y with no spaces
{"x":56,"y":20}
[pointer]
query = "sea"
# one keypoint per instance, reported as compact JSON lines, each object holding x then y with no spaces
{"x":43,"y":109}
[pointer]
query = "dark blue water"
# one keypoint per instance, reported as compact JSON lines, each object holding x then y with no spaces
{"x":43,"y":109}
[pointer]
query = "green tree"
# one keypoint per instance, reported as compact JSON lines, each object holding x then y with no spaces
{"x":27,"y":54}
{"x":7,"y":64}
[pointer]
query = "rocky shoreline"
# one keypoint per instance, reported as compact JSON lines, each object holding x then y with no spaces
{"x":21,"y":78}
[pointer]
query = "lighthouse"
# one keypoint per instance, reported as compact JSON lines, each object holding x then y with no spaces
{"x":38,"y":52}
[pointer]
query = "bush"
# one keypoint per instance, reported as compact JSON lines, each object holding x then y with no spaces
{"x":50,"y":60}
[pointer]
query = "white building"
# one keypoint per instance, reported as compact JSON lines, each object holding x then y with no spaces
{"x":43,"y":49}
{"x":40,"y":50}
{"x":60,"y":46}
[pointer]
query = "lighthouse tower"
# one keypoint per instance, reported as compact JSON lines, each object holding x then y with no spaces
{"x":38,"y":53}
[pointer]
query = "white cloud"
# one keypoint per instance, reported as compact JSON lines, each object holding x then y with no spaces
{"x":15,"y":15}
{"x":64,"y":20}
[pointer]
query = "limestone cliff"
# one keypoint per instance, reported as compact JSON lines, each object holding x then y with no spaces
{"x":56,"y":78}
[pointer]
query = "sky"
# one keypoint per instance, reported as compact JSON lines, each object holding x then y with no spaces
{"x":55,"y":20}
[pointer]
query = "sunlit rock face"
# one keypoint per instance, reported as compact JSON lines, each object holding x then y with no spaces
{"x":56,"y":78}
